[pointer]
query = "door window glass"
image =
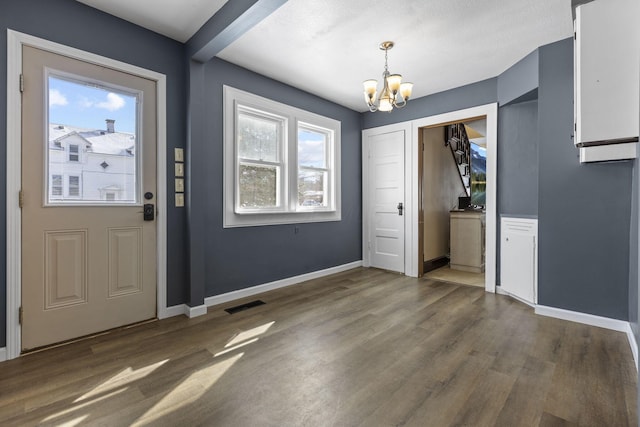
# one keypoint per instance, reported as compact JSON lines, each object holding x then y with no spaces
{"x":92,"y":139}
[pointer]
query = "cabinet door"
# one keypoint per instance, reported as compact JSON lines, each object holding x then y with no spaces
{"x":606,"y":71}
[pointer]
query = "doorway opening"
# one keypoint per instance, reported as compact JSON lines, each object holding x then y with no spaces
{"x":452,"y":180}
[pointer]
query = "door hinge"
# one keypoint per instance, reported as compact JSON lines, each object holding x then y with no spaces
{"x":20,"y":315}
{"x":21,"y":83}
{"x":20,"y":199}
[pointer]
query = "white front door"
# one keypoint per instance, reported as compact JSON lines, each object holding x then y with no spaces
{"x":89,"y":186}
{"x":386,"y":179}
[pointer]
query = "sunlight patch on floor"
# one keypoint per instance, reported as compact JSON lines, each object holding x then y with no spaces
{"x":122,"y":378}
{"x":199,"y":382}
{"x":74,"y":422}
{"x":249,"y":334}
{"x":235,"y":347}
{"x":188,"y":391}
{"x":75,"y":408}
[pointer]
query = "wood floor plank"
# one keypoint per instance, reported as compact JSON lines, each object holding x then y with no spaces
{"x":363,"y":347}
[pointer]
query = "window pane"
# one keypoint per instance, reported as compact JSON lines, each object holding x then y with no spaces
{"x":478,"y":175}
{"x":74,"y":186}
{"x":311,"y":188}
{"x":312,"y":148}
{"x":56,"y":185}
{"x":92,"y":134}
{"x":73,"y":153}
{"x":258,"y":137}
{"x":258,"y":186}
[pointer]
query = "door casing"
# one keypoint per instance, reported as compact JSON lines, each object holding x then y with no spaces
{"x":15,"y":41}
{"x":412,"y":185}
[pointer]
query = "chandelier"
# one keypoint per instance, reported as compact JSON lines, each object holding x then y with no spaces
{"x":394,"y":92}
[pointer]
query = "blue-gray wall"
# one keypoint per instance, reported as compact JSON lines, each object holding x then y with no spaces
{"x":237,"y":258}
{"x":634,"y":253}
{"x":584,"y":209}
{"x":74,"y":24}
{"x":518,"y":159}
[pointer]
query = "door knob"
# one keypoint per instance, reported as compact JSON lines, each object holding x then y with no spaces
{"x":400,"y":208}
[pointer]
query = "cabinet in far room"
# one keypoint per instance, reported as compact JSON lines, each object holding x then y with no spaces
{"x":467,"y":240}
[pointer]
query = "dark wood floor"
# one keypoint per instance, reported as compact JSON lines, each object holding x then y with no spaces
{"x":361,"y":348}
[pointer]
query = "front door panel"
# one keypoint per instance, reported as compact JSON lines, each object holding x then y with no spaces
{"x":88,"y":155}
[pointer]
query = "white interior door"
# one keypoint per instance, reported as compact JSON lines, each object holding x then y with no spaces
{"x":89,"y":184}
{"x":386,"y":234}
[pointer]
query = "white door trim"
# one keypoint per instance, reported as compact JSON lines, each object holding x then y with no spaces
{"x":409,"y":213}
{"x":15,"y":41}
{"x":491,"y":112}
{"x":411,"y":187}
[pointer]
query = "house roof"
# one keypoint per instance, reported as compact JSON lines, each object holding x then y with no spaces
{"x":98,"y":141}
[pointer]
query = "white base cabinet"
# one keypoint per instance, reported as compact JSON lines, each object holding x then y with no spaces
{"x":467,"y":241}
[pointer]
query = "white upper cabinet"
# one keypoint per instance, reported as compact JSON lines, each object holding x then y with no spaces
{"x":607,"y":46}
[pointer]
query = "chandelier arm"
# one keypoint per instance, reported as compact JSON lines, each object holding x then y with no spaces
{"x":400,"y":104}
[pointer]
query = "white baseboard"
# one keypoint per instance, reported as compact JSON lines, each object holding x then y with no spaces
{"x":184,"y":309}
{"x":242,"y":293}
{"x":592,"y":320}
{"x":196,"y":311}
{"x":501,"y":291}
{"x":176,"y":310}
{"x":587,"y":319}
{"x":634,"y":345}
{"x":3,"y":354}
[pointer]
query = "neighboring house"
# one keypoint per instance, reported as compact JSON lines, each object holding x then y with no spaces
{"x":91,"y":165}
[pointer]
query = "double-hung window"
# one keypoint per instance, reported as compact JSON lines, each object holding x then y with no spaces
{"x":74,"y":152}
{"x":281,"y":164}
{"x":74,"y":186}
{"x":260,"y":161}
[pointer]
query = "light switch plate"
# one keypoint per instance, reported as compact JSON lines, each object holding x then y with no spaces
{"x":179,"y":200}
{"x":178,"y":154}
{"x":179,"y":169}
{"x":179,"y":185}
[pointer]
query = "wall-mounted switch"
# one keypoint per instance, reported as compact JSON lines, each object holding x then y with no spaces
{"x":179,"y":169}
{"x":179,"y":185}
{"x":178,"y":153}
{"x":179,"y":200}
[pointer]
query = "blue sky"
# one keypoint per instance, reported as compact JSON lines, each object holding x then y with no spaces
{"x":77,"y":104}
{"x":311,"y":148}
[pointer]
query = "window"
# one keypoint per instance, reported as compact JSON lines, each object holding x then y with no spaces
{"x":110,"y":196}
{"x":92,"y":148}
{"x":74,"y":186}
{"x":281,"y":164}
{"x":313,"y":170}
{"x":74,"y":153}
{"x":478,"y":175}
{"x":56,"y":186}
{"x":260,"y":162}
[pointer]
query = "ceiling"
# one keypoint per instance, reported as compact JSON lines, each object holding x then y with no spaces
{"x":328,"y":47}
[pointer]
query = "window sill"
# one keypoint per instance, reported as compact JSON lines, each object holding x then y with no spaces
{"x":232,"y":219}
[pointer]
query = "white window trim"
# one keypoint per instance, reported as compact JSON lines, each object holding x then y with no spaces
{"x":296,"y":116}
